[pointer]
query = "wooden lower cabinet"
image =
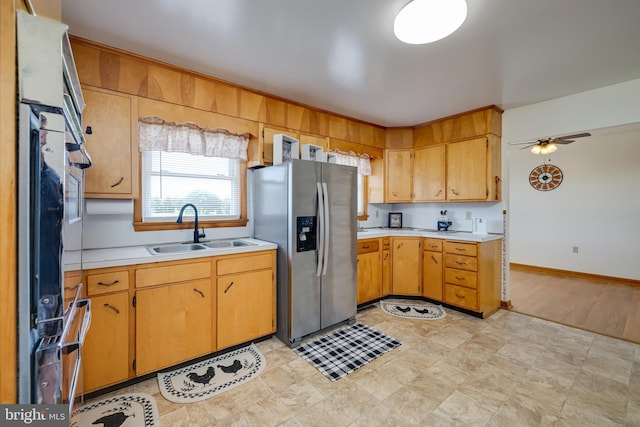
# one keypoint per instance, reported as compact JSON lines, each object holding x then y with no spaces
{"x":246,"y":298}
{"x":386,"y":266}
{"x":105,"y":354}
{"x":245,"y":307}
{"x":405,"y":265}
{"x":432,"y":269}
{"x":369,"y":270}
{"x":472,"y":275}
{"x":173,"y":324}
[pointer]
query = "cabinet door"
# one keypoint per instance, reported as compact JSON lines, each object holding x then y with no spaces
{"x":398,"y":174}
{"x":429,"y":174}
{"x":106,"y":347}
{"x":173,"y":324}
{"x":406,"y":266}
{"x":467,"y":170}
{"x":109,"y":144}
{"x":432,"y":275}
{"x":369,"y":277}
{"x":267,"y":142}
{"x":245,"y":307}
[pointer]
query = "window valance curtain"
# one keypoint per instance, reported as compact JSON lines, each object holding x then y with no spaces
{"x":157,"y":134}
{"x":361,"y":161}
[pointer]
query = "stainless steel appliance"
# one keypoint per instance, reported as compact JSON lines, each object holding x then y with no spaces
{"x":51,"y":160}
{"x":309,"y":210}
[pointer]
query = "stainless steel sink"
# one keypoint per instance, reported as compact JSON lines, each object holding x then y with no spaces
{"x":177,"y":248}
{"x":221,"y":244}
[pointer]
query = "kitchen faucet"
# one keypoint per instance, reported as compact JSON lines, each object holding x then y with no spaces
{"x":196,"y":234}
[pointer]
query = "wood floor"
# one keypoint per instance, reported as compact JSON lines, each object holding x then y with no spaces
{"x":596,"y":305}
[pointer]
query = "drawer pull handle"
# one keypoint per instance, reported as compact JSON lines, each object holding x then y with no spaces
{"x":461,"y":249}
{"x":433,"y":246}
{"x":199,"y":292}
{"x":118,"y":183}
{"x":365,"y":247}
{"x":228,"y":287}
{"x":455,"y":192}
{"x":459,"y":296}
{"x":461,"y":263}
{"x":459,"y":278}
{"x":110,"y":307}
{"x":438,"y":193}
{"x":71,"y":288}
{"x":108,"y":284}
{"x":434,"y":259}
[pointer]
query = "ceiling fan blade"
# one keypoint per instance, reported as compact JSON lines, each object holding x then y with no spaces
{"x":522,"y":143}
{"x":577,"y":135}
{"x":562,"y":141}
{"x":527,"y":146}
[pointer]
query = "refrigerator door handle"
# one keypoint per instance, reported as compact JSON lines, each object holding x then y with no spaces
{"x":326,"y":229}
{"x":320,"y":230}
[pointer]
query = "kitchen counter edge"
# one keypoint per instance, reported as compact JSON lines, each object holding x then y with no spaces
{"x":129,"y":255}
{"x":465,"y":236}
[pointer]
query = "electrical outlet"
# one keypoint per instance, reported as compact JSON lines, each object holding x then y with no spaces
{"x":468,"y":216}
{"x":575,"y":249}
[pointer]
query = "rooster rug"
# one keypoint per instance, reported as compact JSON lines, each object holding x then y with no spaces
{"x":423,"y":311}
{"x":131,"y":409}
{"x":209,"y":377}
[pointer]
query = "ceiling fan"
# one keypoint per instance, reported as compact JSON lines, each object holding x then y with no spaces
{"x":549,"y":145}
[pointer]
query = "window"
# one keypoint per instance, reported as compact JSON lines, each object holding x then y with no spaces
{"x":169,"y":180}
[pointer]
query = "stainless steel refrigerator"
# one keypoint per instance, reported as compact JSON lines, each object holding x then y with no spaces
{"x":309,"y":210}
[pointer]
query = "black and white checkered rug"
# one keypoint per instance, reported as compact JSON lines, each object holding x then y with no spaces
{"x":423,"y":311}
{"x":131,"y":409}
{"x":209,"y":377}
{"x":342,"y":352}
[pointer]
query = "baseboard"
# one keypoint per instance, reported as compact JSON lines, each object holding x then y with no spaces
{"x":578,"y":274}
{"x":506,"y":305}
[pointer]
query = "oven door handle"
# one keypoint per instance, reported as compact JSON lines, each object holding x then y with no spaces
{"x":73,"y":147}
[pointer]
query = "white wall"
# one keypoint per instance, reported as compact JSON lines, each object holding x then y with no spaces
{"x":597,"y":206}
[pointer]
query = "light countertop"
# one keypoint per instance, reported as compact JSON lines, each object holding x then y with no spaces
{"x":466,"y":236}
{"x":113,"y":257}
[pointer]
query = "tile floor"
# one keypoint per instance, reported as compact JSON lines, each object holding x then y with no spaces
{"x":507,"y":370}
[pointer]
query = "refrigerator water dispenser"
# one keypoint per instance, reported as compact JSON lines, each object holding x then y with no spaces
{"x":306,"y":233}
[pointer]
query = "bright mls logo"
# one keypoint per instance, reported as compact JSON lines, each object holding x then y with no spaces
{"x":34,"y":415}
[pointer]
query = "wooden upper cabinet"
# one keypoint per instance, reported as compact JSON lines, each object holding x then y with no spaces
{"x":109,"y":115}
{"x":398,"y":174}
{"x":467,"y":170}
{"x":429,"y":181}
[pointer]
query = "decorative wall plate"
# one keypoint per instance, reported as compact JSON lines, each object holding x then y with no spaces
{"x":545,"y":177}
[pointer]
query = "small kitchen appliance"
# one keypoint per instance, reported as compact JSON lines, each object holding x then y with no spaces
{"x":479,"y":226}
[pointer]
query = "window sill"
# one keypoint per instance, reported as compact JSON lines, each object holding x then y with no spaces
{"x":172,"y":225}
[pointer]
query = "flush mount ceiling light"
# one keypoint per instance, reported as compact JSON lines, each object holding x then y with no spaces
{"x":425,"y":21}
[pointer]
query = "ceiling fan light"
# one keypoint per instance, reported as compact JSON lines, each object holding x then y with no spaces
{"x":536,"y":149}
{"x":551,"y":148}
{"x":426,"y":21}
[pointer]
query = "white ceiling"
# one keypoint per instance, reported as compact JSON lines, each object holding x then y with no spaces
{"x":342,"y":56}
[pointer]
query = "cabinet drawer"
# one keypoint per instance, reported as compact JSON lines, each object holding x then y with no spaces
{"x":72,"y":281}
{"x":434,"y":245}
{"x":172,"y":273}
{"x":386,"y":243}
{"x":244,"y":262}
{"x":461,"y":277}
{"x":366,"y":246}
{"x":103,"y":283}
{"x":469,"y":249}
{"x":463,"y":262}
{"x":460,"y":296}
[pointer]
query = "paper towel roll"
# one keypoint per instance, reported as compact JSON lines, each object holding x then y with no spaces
{"x":108,"y":207}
